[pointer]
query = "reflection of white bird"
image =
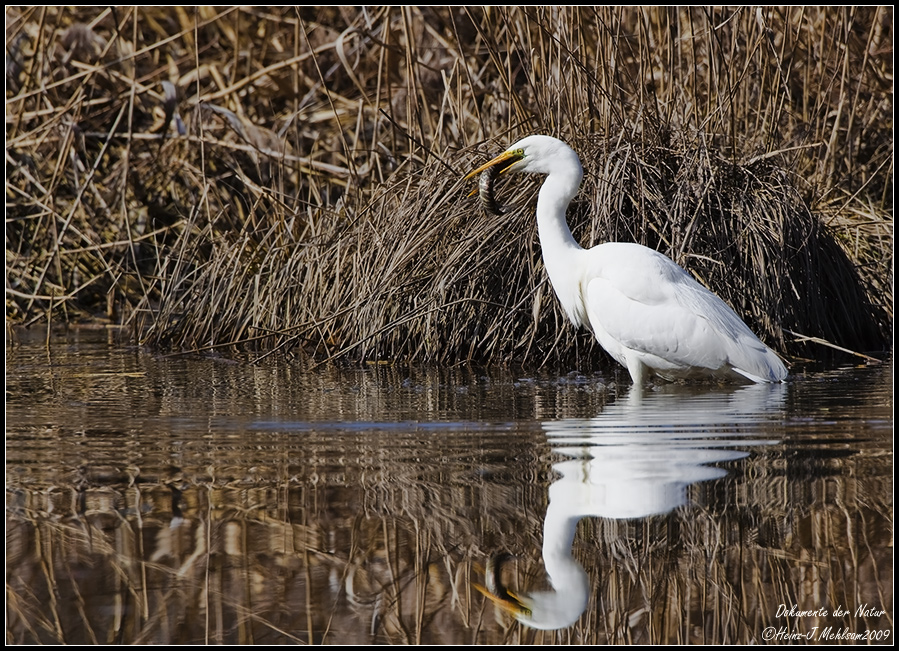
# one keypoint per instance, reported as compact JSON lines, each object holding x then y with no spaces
{"x":636,"y":459}
{"x":645,"y":310}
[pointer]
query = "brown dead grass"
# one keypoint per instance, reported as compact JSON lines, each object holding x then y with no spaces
{"x":290,"y":179}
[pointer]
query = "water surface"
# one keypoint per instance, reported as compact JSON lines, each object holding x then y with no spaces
{"x":178,"y":499}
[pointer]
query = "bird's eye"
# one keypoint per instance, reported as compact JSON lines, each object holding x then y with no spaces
{"x":519,"y":152}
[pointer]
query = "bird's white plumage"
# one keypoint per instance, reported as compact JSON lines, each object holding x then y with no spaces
{"x":645,"y":310}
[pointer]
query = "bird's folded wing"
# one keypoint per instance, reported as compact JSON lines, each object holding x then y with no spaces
{"x":650,"y":305}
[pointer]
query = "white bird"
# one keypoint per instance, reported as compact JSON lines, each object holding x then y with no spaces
{"x":646,"y":311}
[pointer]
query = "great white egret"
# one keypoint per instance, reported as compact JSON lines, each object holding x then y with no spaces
{"x":646,"y":311}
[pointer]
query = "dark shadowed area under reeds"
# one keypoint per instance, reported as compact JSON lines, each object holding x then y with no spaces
{"x":290,"y":179}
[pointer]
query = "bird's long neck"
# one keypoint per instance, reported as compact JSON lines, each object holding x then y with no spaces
{"x":558,"y":245}
{"x":552,"y":202}
{"x":571,"y":586}
{"x":559,"y":529}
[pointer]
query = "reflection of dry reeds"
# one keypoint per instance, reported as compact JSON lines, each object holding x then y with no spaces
{"x":369,"y":561}
{"x":290,"y":178}
{"x":162,"y":528}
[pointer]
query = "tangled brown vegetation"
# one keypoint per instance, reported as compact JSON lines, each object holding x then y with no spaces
{"x":290,"y":179}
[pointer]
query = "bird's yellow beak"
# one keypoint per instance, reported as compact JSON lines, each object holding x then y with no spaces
{"x":505,"y":159}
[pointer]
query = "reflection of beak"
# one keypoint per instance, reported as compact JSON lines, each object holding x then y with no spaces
{"x":508,"y":601}
{"x":496,"y":591}
{"x":505,"y":160}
